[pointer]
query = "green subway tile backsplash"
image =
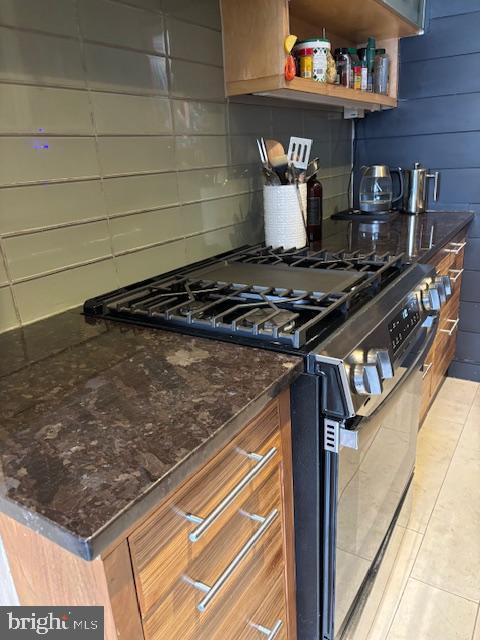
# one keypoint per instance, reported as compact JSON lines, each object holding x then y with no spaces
{"x":120,"y":157}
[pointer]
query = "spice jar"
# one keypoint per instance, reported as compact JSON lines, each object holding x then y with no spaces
{"x":356,"y":67}
{"x":321,"y":49}
{"x":305,"y":62}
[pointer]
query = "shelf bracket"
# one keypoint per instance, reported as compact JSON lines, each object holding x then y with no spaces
{"x":353,"y":112}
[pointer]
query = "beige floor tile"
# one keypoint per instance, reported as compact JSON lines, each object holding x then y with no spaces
{"x":435,"y":447}
{"x":426,"y":613}
{"x":471,"y":432}
{"x":455,"y":390}
{"x":449,"y":557}
{"x":449,"y":410}
{"x":395,"y":585}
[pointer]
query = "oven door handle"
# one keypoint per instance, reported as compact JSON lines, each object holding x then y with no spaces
{"x":418,"y":359}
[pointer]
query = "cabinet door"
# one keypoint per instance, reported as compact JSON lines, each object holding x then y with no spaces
{"x":208,"y":558}
{"x":411,"y":9}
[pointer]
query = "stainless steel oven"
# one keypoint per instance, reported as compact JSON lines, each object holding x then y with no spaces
{"x":365,"y":488}
{"x":355,"y":422}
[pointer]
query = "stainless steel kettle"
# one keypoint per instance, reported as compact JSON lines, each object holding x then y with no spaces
{"x":415,"y":188}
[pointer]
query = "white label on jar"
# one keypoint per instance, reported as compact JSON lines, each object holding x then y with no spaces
{"x":320,"y":62}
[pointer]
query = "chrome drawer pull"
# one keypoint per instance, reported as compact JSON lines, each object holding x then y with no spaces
{"x":458,"y":272}
{"x":205,"y":523}
{"x":459,"y":246}
{"x":211,"y":592}
{"x":272,"y":633}
{"x":454,"y":326}
{"x":425,"y":371}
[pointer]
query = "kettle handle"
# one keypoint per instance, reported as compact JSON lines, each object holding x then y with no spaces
{"x":435,"y":175}
{"x":400,"y":177}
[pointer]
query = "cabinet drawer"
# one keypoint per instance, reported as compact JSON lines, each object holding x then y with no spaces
{"x":177,"y":616}
{"x":269,"y":620}
{"x":162,"y":550}
{"x":449,"y":311}
{"x":445,"y":343}
{"x":450,"y":255}
{"x":456,"y":273}
{"x":447,"y":332}
{"x":427,"y":381}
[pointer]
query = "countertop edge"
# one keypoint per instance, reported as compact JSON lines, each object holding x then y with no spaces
{"x":94,"y":546}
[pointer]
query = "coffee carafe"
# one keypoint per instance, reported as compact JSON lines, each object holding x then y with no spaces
{"x":376,"y":189}
{"x":415,"y":188}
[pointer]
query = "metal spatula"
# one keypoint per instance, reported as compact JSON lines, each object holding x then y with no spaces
{"x":299,"y":152}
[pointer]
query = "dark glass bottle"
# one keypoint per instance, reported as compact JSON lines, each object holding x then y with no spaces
{"x":314,"y":210}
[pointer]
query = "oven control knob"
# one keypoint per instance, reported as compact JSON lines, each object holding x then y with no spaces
{"x":447,"y":285}
{"x":441,"y":290}
{"x":431,"y":298}
{"x":366,"y":380}
{"x":381,"y":358}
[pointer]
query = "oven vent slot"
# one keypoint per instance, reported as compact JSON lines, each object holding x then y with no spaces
{"x":331,"y":435}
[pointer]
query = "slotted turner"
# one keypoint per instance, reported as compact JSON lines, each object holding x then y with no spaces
{"x":299,"y":152}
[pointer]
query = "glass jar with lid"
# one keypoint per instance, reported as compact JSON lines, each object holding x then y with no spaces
{"x":321,"y":51}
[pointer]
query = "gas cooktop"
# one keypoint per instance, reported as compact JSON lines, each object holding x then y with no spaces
{"x":282,"y":299}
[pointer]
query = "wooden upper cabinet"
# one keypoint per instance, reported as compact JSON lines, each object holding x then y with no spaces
{"x":253,"y":40}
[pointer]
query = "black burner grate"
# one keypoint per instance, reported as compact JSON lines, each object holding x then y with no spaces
{"x":282,"y":315}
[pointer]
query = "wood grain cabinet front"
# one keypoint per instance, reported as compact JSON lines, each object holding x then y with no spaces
{"x":448,"y":261}
{"x":214,"y":553}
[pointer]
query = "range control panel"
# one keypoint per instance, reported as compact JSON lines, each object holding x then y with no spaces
{"x":404,"y":323}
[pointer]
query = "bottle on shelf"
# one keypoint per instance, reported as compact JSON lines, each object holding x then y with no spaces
{"x":344,"y":67}
{"x":381,"y":72}
{"x":370,"y":62}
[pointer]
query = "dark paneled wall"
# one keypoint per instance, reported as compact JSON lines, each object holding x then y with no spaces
{"x":437,"y":123}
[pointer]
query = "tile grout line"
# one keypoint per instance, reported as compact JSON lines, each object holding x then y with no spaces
{"x":400,"y":598}
{"x":6,"y":266}
{"x":477,"y":621}
{"x":450,"y":593}
{"x":95,"y":134}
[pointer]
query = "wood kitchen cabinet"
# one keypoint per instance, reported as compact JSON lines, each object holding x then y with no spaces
{"x":215,"y":560}
{"x":448,"y":261}
{"x":253,"y":41}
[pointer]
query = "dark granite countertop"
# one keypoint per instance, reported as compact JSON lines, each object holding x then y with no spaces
{"x":419,"y":237}
{"x":100,"y":421}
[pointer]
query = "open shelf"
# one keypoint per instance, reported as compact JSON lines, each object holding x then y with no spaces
{"x":253,"y":44}
{"x":311,"y":91}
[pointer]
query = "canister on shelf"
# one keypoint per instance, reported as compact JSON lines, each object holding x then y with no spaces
{"x":321,"y":47}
